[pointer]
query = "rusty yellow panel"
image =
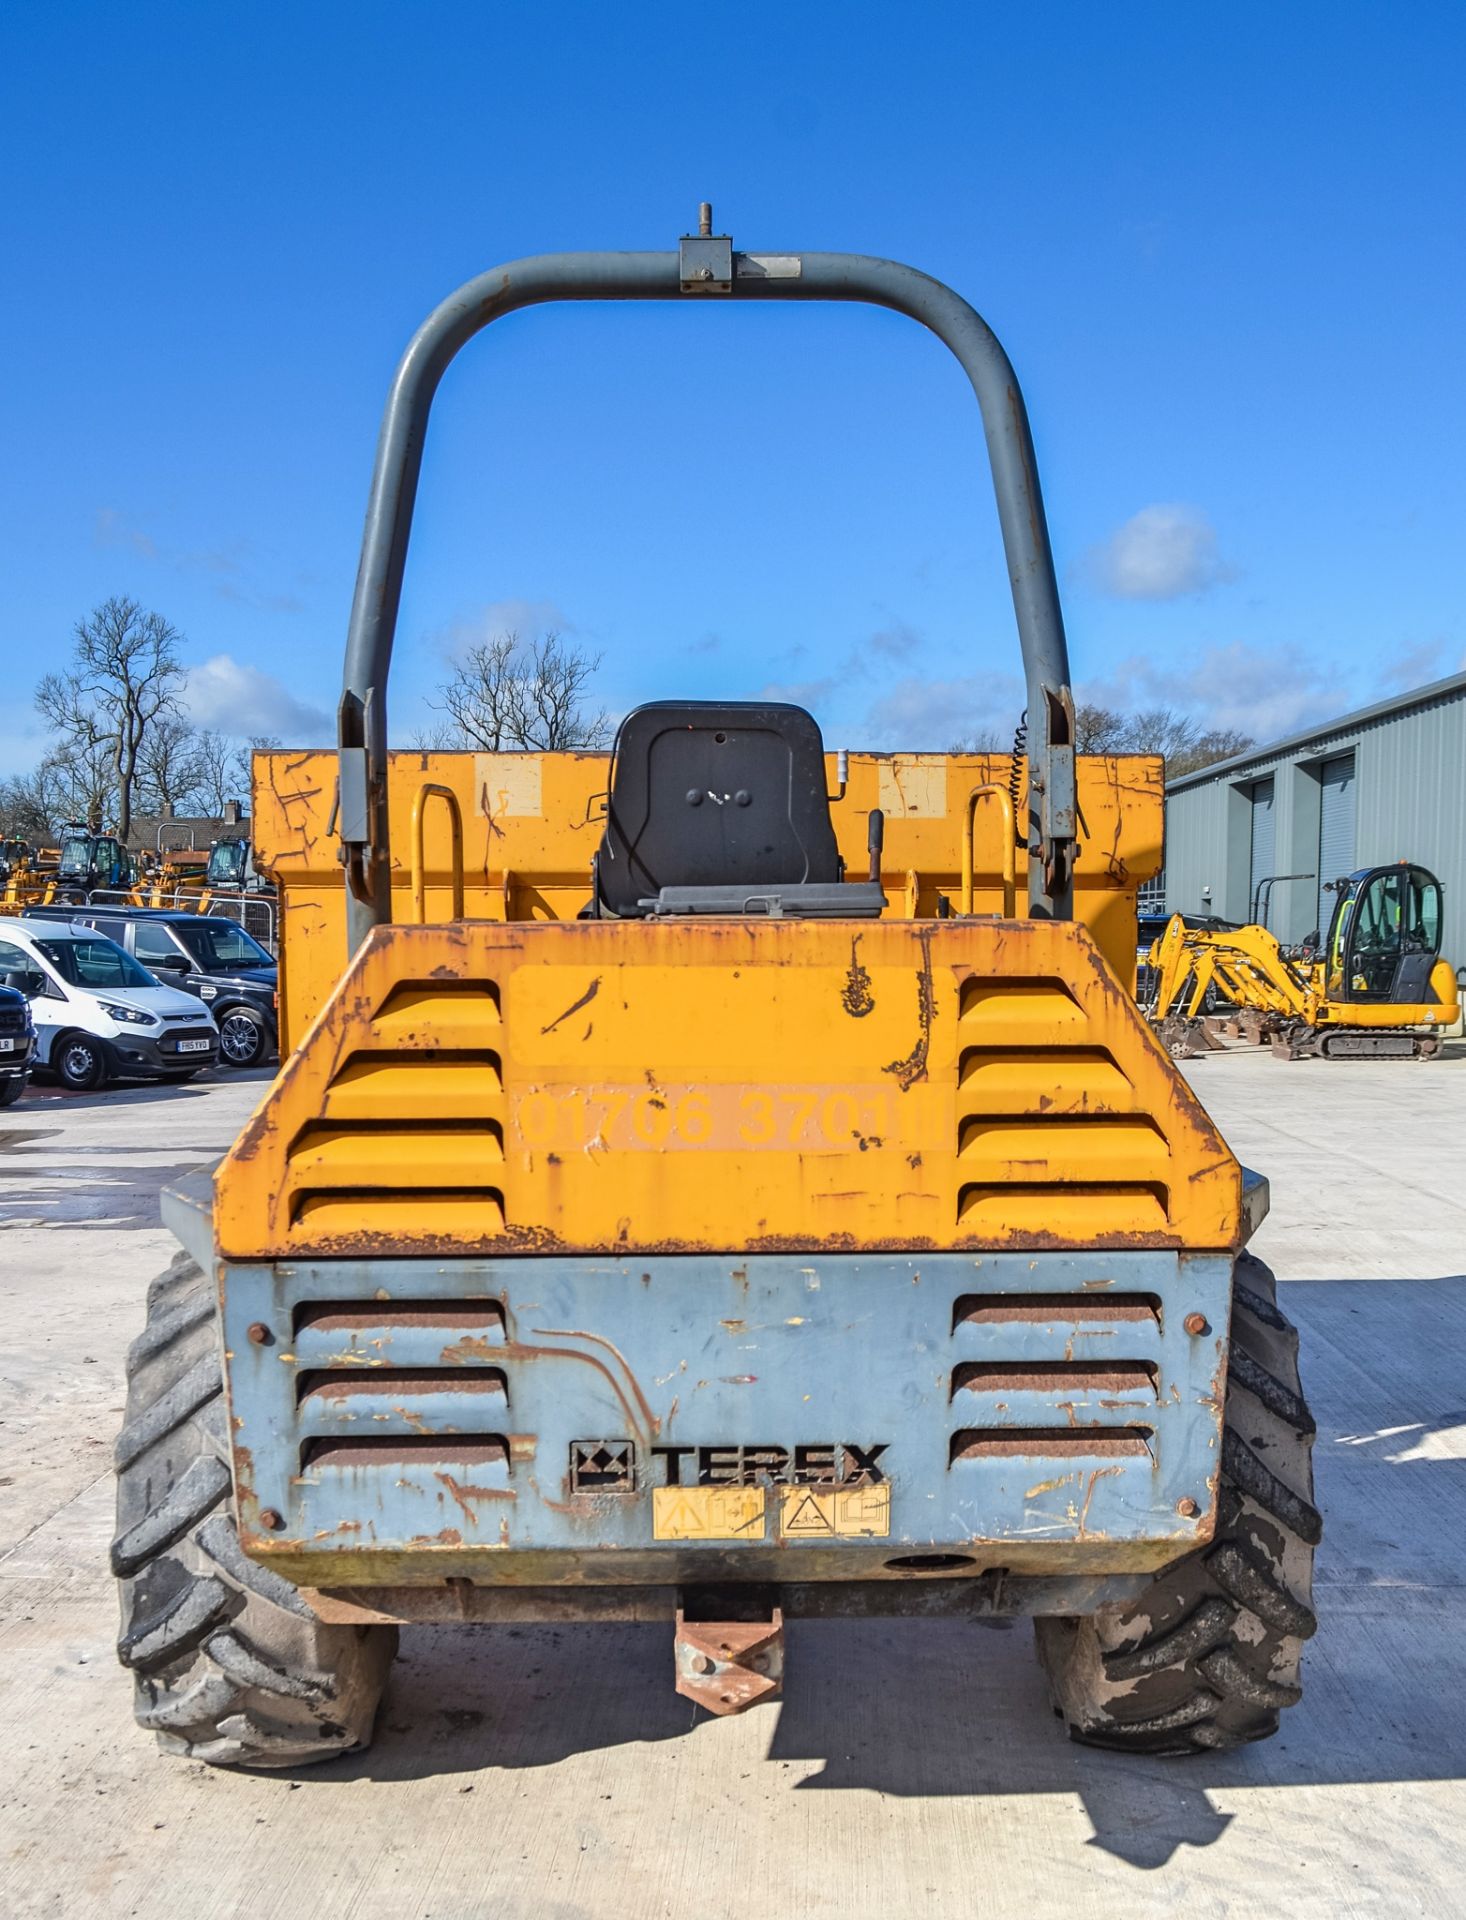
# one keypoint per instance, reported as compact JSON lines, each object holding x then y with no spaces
{"x":708,"y":1513}
{"x":533,"y":821}
{"x":727,"y":1085}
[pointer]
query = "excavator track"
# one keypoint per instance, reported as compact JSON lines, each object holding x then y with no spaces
{"x":1302,"y":1042}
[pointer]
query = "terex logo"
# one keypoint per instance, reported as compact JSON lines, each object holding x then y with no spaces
{"x":824,"y":1463}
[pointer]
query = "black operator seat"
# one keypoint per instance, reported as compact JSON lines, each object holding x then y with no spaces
{"x":721,"y":807}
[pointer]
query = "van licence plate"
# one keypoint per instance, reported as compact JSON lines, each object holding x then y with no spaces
{"x":7,"y":1046}
{"x":194,"y":1046}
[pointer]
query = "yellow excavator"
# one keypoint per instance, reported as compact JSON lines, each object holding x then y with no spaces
{"x":1377,"y":988}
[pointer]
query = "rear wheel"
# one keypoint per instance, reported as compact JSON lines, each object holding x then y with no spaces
{"x":243,"y":1039}
{"x":1210,"y":1655}
{"x":229,"y":1663}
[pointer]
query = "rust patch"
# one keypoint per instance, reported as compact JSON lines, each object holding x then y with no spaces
{"x":584,"y":1001}
{"x":913,"y":1068}
{"x":1100,"y":1473}
{"x":855,"y":996}
{"x":465,"y":1494}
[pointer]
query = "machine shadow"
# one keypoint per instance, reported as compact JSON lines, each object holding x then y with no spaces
{"x":938,"y":1708}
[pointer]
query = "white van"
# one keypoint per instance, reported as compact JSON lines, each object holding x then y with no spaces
{"x":99,"y":1015}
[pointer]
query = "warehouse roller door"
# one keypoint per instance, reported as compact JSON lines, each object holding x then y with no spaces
{"x":1264,"y":838}
{"x":1335,"y":831}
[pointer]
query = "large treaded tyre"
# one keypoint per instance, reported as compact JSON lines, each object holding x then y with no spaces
{"x":1208,"y":1657}
{"x":230,"y":1665}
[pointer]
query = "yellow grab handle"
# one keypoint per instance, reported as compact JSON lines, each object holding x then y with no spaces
{"x":428,"y":791}
{"x":969,"y":857}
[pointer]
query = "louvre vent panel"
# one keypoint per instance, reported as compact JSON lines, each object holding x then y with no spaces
{"x":1036,"y":1004}
{"x":1055,"y":1375}
{"x":1051,"y":1443}
{"x":1042,"y":1079}
{"x":1086,"y":1379}
{"x":421,"y":1213}
{"x":1052,"y":1136}
{"x":1057,"y":1316}
{"x":428,"y":1155}
{"x":409,"y":1142}
{"x":1071,"y":1208}
{"x":484,"y":1455}
{"x":457,"y":1084}
{"x":439,"y":1013}
{"x":411,"y":1334}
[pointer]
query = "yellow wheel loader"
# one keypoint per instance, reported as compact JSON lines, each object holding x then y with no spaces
{"x":714,"y":1182}
{"x":1376,"y":989}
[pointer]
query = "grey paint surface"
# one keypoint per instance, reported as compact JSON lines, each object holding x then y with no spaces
{"x":551,"y":1773}
{"x":1338,"y":791}
{"x":1409,"y":796}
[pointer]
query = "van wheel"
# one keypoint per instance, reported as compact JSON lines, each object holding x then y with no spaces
{"x":1209,"y":1655}
{"x":10,"y":1092}
{"x":79,"y":1062}
{"x":230,"y":1665}
{"x":243,"y":1040}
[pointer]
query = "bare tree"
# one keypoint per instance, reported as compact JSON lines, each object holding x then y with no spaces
{"x":508,"y":695}
{"x":242,"y":767}
{"x":1183,"y":743}
{"x":127,"y":675}
{"x":79,"y":783}
{"x":26,"y":807}
{"x":171,"y":765}
{"x":1098,"y":729}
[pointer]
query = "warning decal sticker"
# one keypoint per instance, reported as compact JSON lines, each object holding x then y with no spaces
{"x":708,"y":1513}
{"x":835,"y":1513}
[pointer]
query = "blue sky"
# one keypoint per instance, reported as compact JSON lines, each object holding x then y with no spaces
{"x":1222,"y":246}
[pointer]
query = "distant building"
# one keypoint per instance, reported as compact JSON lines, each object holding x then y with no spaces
{"x":1385,"y":783}
{"x":170,"y":832}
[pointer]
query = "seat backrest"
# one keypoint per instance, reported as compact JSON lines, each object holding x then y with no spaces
{"x":714,"y":793}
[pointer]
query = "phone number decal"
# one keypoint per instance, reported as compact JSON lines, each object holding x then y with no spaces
{"x":722,"y":1119}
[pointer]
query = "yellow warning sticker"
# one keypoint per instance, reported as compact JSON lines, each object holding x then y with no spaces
{"x":835,"y":1513}
{"x":708,"y":1513}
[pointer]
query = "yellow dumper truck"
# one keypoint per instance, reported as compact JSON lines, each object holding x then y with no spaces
{"x":697,"y":1190}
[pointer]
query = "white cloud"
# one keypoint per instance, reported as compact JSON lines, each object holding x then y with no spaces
{"x":112,"y":530}
{"x":1161,"y":553}
{"x":528,"y":618}
{"x":928,"y":716}
{"x":241,"y":700}
{"x":1417,"y":666}
{"x":1266,"y":692}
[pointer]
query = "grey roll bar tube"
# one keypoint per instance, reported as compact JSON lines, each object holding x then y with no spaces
{"x":705,"y":266}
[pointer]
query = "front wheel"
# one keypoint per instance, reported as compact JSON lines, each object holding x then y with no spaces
{"x":230,"y":1664}
{"x":10,"y":1092}
{"x":1210,"y":1654}
{"x":81,"y":1065}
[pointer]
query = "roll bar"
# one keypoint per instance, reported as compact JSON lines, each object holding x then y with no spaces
{"x":705,"y":266}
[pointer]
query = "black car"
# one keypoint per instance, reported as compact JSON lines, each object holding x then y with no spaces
{"x":17,"y":1045}
{"x":203,"y":954}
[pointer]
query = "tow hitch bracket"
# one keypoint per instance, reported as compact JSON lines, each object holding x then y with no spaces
{"x":727,"y":1665}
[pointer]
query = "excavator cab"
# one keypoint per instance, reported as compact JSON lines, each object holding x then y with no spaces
{"x":1385,"y":936}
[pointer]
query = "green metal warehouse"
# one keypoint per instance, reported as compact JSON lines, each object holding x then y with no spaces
{"x":1385,"y":783}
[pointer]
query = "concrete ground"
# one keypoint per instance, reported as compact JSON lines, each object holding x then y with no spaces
{"x":911,"y":1767}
